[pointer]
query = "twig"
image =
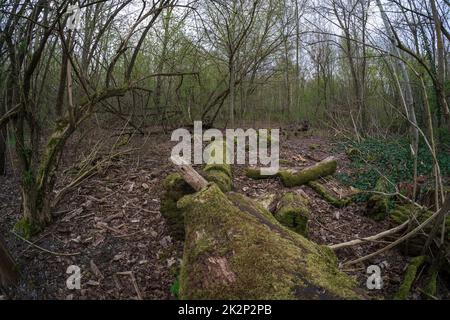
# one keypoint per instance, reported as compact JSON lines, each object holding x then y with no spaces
{"x":43,"y":249}
{"x":133,"y":281}
{"x":445,"y":207}
{"x":371,"y":238}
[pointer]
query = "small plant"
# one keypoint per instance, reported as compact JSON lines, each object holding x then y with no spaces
{"x":175,"y":287}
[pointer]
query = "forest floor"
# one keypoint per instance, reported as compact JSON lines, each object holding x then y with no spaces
{"x":110,"y":226}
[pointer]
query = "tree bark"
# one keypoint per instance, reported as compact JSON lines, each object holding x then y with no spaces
{"x":8,"y":271}
{"x":440,"y":57}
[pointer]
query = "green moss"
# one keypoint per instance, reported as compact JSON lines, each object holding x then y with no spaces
{"x":175,"y":187}
{"x":217,"y":170}
{"x":292,"y":178}
{"x":401,"y":213}
{"x":293,"y":212}
{"x":220,"y":178}
{"x":314,"y":146}
{"x":249,"y":255}
{"x":28,"y":178}
{"x":378,"y":205}
{"x":25,"y":228}
{"x":267,"y":201}
{"x":325,"y":194}
{"x":255,"y":173}
{"x":410,"y":275}
{"x":225,"y":168}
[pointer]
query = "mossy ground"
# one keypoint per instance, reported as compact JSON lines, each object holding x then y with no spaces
{"x":235,"y":249}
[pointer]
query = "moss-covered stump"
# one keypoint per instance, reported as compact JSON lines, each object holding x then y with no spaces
{"x":235,"y":249}
{"x":293,"y":212}
{"x":292,"y":178}
{"x":174,"y":189}
{"x":377,"y":206}
{"x":327,"y":195}
{"x":225,"y":168}
{"x":410,"y":275}
{"x":221,"y":179}
{"x":217,"y":169}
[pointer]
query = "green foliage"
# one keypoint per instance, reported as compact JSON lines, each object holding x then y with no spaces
{"x":390,"y":157}
{"x":28,"y":178}
{"x":443,"y":137}
{"x":175,"y":287}
{"x":25,"y":228}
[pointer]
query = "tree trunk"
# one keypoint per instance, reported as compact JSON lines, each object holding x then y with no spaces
{"x":232,"y":89}
{"x":3,"y":149}
{"x":407,"y":90}
{"x":440,"y":70}
{"x":8,"y":271}
{"x":236,"y":249}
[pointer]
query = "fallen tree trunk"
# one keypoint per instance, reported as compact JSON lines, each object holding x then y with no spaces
{"x":292,"y":178}
{"x":236,"y":249}
{"x":8,"y":270}
{"x":327,"y":195}
{"x":293,"y":212}
{"x":410,"y":276}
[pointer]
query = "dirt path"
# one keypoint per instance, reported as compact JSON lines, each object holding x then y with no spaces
{"x":111,"y":228}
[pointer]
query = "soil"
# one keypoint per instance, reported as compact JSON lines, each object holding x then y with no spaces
{"x":111,"y":228}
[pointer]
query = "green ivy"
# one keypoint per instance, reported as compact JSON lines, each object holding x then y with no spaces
{"x":392,"y":158}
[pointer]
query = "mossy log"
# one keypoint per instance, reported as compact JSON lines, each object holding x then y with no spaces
{"x":255,"y":173}
{"x":293,"y":212}
{"x":8,"y":270}
{"x":410,"y":275}
{"x":217,"y":169}
{"x":327,"y":195}
{"x":377,"y":206}
{"x":175,"y":188}
{"x":223,"y":181}
{"x":235,"y":249}
{"x":292,"y":178}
